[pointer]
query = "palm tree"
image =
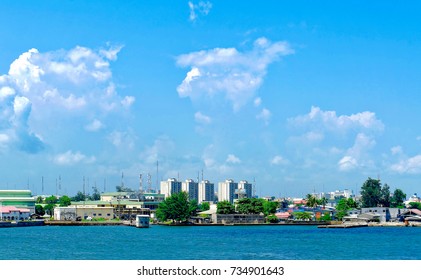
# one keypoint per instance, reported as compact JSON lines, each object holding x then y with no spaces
{"x":323,"y":201}
{"x":311,"y":201}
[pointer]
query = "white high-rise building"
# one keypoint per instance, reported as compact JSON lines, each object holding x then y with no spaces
{"x":245,"y":189}
{"x":170,"y":187}
{"x":226,"y":190}
{"x":191,"y":187}
{"x":206,"y":192}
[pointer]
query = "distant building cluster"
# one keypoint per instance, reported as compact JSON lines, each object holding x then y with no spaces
{"x":204,"y":191}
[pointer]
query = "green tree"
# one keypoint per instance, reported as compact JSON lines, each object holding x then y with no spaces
{"x":371,"y":193}
{"x":415,"y":205}
{"x":51,"y":200}
{"x":302,"y":216}
{"x":323,"y":201}
{"x":80,"y":196}
{"x":176,"y":208}
{"x":342,"y":207}
{"x":351,"y":203}
{"x":64,"y":201}
{"x":272,"y":219}
{"x":269,"y":207}
{"x":193,"y":207}
{"x":250,"y":206}
{"x":39,"y":200}
{"x":311,"y":201}
{"x":385,"y":196}
{"x":225,"y":207}
{"x":204,"y":206}
{"x":123,"y":189}
{"x":39,"y":210}
{"x":49,"y":209}
{"x":95,"y":194}
{"x":398,"y":198}
{"x":326,"y":217}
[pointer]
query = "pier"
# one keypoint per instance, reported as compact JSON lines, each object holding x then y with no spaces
{"x":345,"y":225}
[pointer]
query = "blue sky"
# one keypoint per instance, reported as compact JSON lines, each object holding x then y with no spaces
{"x":296,"y":95}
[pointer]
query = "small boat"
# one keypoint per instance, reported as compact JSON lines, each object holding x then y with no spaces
{"x":142,"y":221}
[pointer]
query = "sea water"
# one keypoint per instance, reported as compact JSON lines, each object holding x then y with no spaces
{"x":209,"y":243}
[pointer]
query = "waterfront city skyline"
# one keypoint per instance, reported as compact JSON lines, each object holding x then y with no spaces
{"x":299,"y":97}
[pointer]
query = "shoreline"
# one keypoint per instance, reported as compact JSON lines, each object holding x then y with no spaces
{"x":127,"y":223}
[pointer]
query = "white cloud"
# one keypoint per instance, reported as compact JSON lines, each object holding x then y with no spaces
{"x":357,"y":155}
{"x":185,"y":88}
{"x":95,"y":125}
{"x":122,"y":139}
{"x":128,"y":101}
{"x":201,"y":118}
{"x":202,"y":8}
{"x":329,"y":121}
{"x":70,"y":158}
{"x":58,"y":83}
{"x":161,"y":148}
{"x":264,"y":115}
{"x":232,"y":159}
{"x":257,"y":101}
{"x":410,"y":166}
{"x":6,"y":92}
{"x":234,"y":74}
{"x":111,"y":53}
{"x":347,"y":163}
{"x":396,"y":150}
{"x":278,"y":160}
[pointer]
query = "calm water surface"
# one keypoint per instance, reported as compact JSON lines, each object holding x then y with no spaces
{"x":218,"y":243}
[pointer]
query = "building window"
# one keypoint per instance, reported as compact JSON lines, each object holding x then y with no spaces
{"x":99,"y":214}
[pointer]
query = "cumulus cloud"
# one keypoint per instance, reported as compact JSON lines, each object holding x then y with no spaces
{"x":71,"y":158}
{"x":57,"y":83}
{"x":278,"y":160}
{"x":122,"y":139}
{"x":257,"y":101}
{"x":329,"y":121}
{"x":264,"y":115}
{"x":201,"y":118}
{"x":162,"y":147}
{"x":235,"y":74}
{"x":95,"y":125}
{"x":202,"y":8}
{"x":410,"y":165}
{"x":232,"y":159}
{"x":356,"y":156}
{"x":128,"y":101}
{"x":347,"y":163}
{"x":396,"y":150}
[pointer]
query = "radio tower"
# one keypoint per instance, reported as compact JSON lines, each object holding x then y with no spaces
{"x":122,"y":180}
{"x":157,"y":178}
{"x":254,"y":187}
{"x":149,"y":183}
{"x":59,"y":184}
{"x":140,"y":184}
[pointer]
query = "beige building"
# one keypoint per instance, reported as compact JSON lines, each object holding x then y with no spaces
{"x":84,"y":212}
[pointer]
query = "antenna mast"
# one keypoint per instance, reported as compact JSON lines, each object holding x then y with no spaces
{"x":140,"y":184}
{"x":149,"y":183}
{"x":157,"y":178}
{"x":254,"y":187}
